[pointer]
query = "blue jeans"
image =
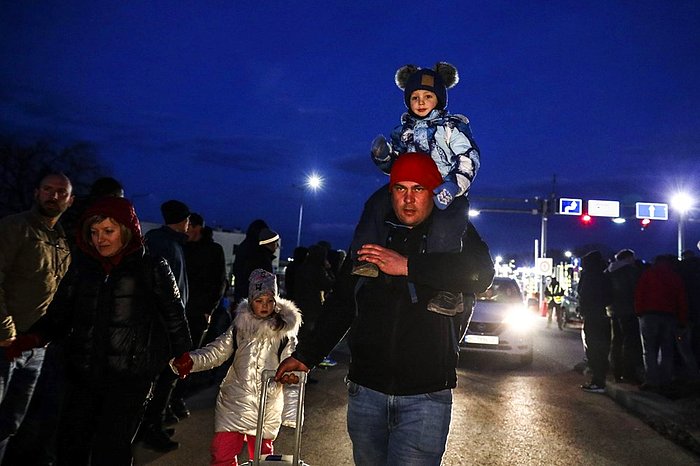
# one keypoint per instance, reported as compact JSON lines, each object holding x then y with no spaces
{"x":658,"y":335}
{"x":17,"y":381}
{"x":397,"y":430}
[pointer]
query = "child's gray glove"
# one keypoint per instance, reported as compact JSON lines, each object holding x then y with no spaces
{"x":445,"y":194}
{"x":380,"y":149}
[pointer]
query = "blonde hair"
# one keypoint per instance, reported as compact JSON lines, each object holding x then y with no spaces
{"x":90,"y":221}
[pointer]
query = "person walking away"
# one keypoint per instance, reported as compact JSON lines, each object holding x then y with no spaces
{"x":242,"y":253}
{"x":689,"y":269}
{"x":292,"y":270}
{"x":314,"y":281}
{"x":626,"y":345}
{"x":263,"y":332}
{"x":403,"y":356}
{"x":554,"y":295}
{"x":205,"y":263}
{"x":168,"y":242}
{"x":429,"y":128}
{"x":594,"y":295}
{"x":120,"y":313}
{"x":661,"y":303}
{"x":34,"y":257}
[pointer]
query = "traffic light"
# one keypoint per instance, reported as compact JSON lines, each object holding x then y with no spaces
{"x":645,"y":223}
{"x":586,"y":219}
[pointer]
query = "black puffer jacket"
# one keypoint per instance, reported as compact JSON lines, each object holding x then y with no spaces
{"x":398,"y":347}
{"x":122,"y":318}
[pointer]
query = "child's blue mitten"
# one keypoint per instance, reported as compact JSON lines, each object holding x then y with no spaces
{"x":445,"y":194}
{"x":380,"y":149}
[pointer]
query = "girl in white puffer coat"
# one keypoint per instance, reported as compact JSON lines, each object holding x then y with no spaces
{"x":263,"y":332}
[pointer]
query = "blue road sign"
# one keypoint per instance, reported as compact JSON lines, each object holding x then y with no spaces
{"x":652,"y":210}
{"x":568,"y":206}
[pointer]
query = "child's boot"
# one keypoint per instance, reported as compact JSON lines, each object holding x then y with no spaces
{"x":447,"y":303}
{"x":365,"y":269}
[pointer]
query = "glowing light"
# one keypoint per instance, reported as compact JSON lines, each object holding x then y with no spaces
{"x":314,"y":181}
{"x":682,"y":202}
{"x":519,"y":318}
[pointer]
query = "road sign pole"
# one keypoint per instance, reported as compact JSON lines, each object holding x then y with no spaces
{"x":680,"y":235}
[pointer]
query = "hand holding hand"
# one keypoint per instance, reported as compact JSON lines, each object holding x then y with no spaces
{"x":445,"y":194}
{"x":183,"y":365}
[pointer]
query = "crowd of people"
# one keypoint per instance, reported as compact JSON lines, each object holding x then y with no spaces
{"x":120,"y":320}
{"x":641,"y":319}
{"x":127,"y":318}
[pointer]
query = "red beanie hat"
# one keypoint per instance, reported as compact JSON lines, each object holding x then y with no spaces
{"x":121,"y":210}
{"x":417,"y":167}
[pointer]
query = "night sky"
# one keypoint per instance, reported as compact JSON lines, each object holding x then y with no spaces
{"x":227,"y":105}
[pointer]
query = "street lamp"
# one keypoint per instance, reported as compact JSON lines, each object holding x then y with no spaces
{"x":682,"y":202}
{"x":314,"y":182}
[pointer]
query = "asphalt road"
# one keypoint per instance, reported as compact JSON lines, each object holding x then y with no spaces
{"x":503,"y":414}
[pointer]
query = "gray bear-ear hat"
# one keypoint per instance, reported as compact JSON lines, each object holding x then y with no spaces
{"x":410,"y":78}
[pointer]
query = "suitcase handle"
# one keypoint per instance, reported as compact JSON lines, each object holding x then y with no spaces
{"x":268,"y":376}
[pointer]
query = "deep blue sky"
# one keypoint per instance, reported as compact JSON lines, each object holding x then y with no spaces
{"x":227,"y":105}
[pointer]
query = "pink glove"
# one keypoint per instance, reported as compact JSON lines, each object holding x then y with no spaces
{"x":22,"y":343}
{"x":183,"y":365}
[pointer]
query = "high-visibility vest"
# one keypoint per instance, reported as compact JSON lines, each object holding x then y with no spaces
{"x":555,"y":293}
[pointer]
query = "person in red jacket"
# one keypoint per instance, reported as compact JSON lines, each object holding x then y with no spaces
{"x":661,"y":304}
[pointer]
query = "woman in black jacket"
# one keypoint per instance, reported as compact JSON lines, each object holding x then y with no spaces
{"x":120,"y":314}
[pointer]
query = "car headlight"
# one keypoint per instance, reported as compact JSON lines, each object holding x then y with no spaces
{"x":518,"y":318}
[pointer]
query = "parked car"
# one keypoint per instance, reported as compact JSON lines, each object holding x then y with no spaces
{"x":501,"y":322}
{"x":572,"y":316}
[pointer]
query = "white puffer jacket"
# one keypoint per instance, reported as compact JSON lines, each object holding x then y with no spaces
{"x":258,"y":349}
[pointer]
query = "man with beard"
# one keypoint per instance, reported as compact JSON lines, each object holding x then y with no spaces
{"x":34,"y":257}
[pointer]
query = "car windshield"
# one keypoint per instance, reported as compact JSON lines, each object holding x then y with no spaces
{"x":501,"y":292}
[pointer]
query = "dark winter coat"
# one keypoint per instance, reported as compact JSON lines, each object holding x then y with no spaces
{"x":594,"y":292}
{"x":398,"y":347}
{"x":623,"y":282}
{"x":312,"y":281}
{"x":169,"y":244}
{"x":689,"y":270}
{"x":259,"y":258}
{"x":206,"y":274}
{"x":120,"y":316}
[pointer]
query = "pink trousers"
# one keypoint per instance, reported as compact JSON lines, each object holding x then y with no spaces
{"x":225,"y":447}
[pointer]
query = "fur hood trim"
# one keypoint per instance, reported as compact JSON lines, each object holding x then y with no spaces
{"x":250,"y":326}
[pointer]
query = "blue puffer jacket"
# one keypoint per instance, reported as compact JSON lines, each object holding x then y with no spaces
{"x":447,"y":138}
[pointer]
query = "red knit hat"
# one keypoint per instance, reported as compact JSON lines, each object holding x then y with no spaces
{"x":417,"y":167}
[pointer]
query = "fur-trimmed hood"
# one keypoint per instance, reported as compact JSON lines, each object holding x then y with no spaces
{"x":249,"y":326}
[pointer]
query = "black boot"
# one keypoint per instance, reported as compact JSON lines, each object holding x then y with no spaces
{"x":179,"y":408}
{"x":158,"y":439}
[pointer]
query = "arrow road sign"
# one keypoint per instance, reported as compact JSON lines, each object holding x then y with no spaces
{"x":569,"y":206}
{"x":652,"y":210}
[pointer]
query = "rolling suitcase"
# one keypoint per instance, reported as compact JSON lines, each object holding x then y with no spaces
{"x":279,"y":460}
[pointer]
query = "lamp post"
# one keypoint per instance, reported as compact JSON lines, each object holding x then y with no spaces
{"x":682,"y":202}
{"x":313,"y":182}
